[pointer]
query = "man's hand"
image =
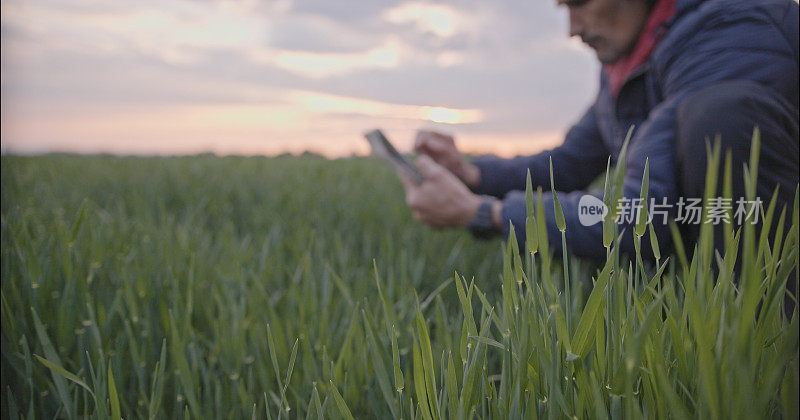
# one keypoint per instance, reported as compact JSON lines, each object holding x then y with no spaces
{"x":442,"y":149}
{"x":441,"y":200}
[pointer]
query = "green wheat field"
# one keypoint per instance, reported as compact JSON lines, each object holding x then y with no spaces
{"x":300,"y":287}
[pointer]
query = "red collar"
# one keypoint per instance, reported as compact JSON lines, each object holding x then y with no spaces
{"x":619,"y":71}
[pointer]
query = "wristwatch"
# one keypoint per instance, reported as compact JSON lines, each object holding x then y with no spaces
{"x":482,"y":226}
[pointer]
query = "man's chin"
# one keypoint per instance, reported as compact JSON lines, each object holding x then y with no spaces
{"x":606,"y":57}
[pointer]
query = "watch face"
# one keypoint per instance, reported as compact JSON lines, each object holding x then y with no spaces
{"x":481,"y":226}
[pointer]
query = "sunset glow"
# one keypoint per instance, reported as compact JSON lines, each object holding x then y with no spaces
{"x":452,"y":116}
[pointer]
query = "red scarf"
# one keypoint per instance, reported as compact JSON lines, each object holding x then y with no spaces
{"x":619,"y":71}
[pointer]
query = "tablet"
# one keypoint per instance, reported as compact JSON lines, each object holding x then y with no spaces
{"x":382,"y":148}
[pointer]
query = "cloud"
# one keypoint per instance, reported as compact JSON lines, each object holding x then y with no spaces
{"x":355,"y":13}
{"x":307,"y":68}
{"x":440,"y":20}
{"x":320,"y":65}
{"x":318,"y":34}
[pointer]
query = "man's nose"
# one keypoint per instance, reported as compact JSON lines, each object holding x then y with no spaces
{"x":576,"y":26}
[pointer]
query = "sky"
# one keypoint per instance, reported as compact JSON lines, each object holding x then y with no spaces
{"x":275,"y":76}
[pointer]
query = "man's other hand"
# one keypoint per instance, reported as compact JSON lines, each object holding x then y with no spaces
{"x":442,"y":200}
{"x":442,"y":149}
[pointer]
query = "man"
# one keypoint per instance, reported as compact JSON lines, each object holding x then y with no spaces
{"x":679,"y":72}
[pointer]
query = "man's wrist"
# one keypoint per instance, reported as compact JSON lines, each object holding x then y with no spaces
{"x":497,"y":214}
{"x":473,"y":204}
{"x":487,"y":220}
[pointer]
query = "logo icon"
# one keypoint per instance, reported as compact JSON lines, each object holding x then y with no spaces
{"x":591,"y":210}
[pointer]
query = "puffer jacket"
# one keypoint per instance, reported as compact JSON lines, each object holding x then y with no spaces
{"x":705,"y":42}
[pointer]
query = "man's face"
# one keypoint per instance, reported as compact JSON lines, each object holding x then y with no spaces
{"x":610,"y":27}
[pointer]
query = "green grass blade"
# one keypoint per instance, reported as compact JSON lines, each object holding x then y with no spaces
{"x":378,"y":364}
{"x":65,"y":373}
{"x":584,"y":333}
{"x":58,"y":373}
{"x":427,"y":364}
{"x":641,"y":221}
{"x":399,"y":381}
{"x":559,"y":212}
{"x":451,"y":384}
{"x":76,"y":226}
{"x":112,"y":395}
{"x":340,"y":404}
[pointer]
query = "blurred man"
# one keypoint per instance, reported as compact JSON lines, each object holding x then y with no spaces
{"x":680,"y":72}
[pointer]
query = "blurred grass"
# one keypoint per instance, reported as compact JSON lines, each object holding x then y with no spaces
{"x":128,"y":261}
{"x":298,"y":287}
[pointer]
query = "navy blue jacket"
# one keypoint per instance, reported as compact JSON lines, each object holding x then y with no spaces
{"x":706,"y":42}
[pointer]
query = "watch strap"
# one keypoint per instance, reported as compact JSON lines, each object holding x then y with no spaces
{"x":482,"y":225}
